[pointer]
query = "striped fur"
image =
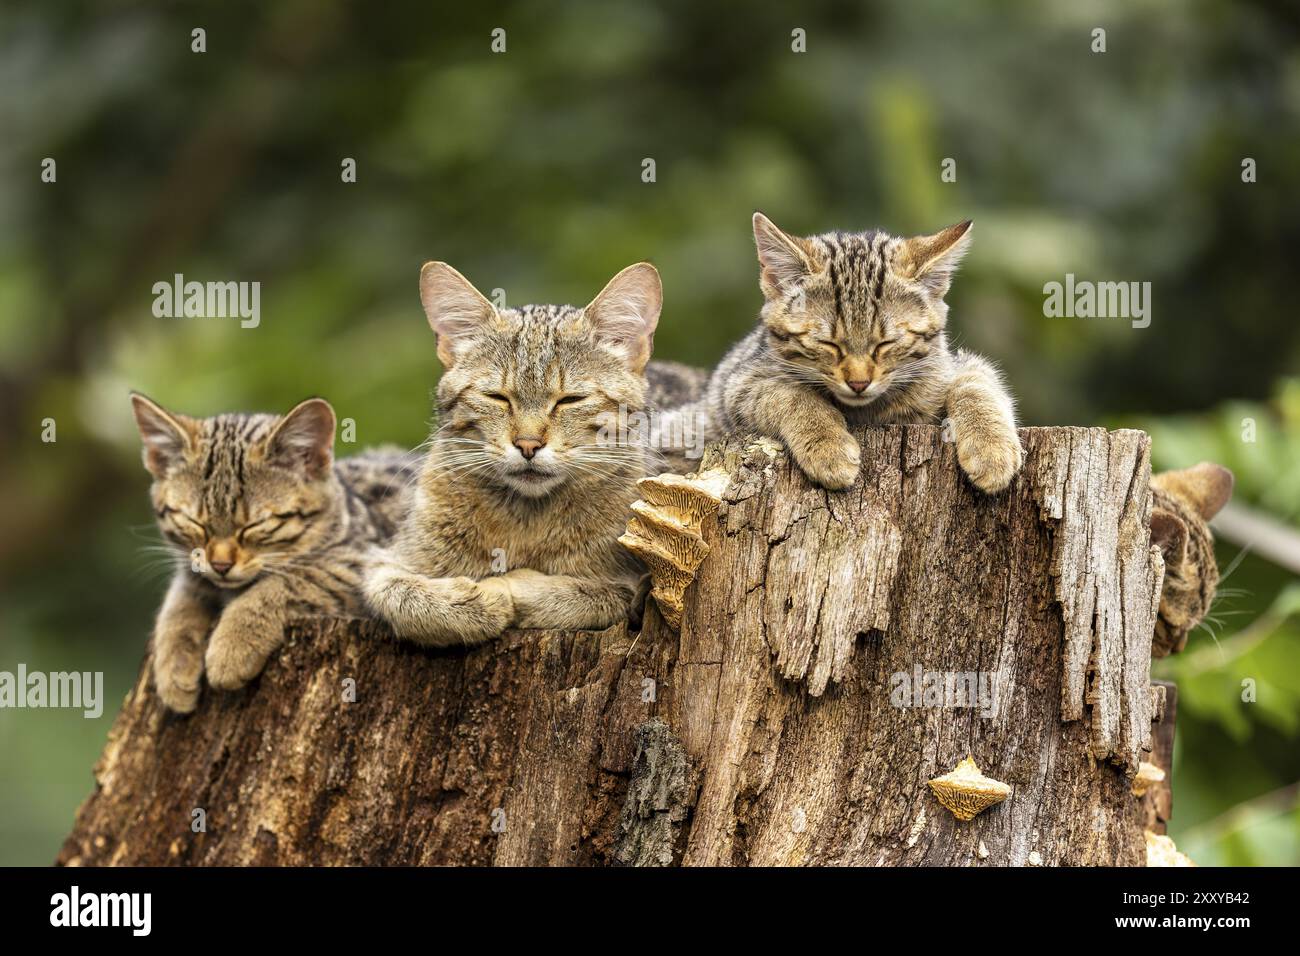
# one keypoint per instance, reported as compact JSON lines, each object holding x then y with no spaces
{"x":265,"y":528}
{"x":496,"y":538}
{"x":1183,"y":501}
{"x":672,"y":384}
{"x":853,"y":332}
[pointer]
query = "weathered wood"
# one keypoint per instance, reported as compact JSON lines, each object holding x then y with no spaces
{"x":769,"y":731}
{"x":1158,"y":801}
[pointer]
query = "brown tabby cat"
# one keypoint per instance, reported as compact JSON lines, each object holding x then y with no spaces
{"x":525,"y":472}
{"x":266,"y":527}
{"x":852,"y":333}
{"x":1182,"y":502}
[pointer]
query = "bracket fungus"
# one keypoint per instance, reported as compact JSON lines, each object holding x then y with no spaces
{"x":667,"y":532}
{"x":966,"y":792}
{"x":1148,"y":775}
{"x":1161,"y":851}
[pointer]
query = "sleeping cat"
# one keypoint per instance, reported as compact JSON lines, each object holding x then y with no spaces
{"x":852,"y":333}
{"x":266,"y":528}
{"x":523,"y":476}
{"x":1182,"y":502}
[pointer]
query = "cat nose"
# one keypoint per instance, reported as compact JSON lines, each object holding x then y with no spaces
{"x":528,"y":447}
{"x":859,"y":386}
{"x":221,"y":567}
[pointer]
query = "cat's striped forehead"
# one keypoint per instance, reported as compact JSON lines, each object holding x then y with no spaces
{"x":534,"y":346}
{"x":227,"y":448}
{"x":855,"y":269}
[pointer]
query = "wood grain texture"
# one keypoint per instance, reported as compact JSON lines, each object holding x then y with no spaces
{"x":768,"y":731}
{"x":1158,"y":801}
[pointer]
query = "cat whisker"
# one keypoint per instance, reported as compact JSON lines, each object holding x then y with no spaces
{"x":1236,"y":562}
{"x":1203,"y":626}
{"x":415,"y":457}
{"x":157,"y":568}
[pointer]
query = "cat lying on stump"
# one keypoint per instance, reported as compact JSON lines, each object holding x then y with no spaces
{"x":513,"y":516}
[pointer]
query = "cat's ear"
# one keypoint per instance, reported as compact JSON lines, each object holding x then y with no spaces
{"x":932,"y":260}
{"x":1205,"y":487}
{"x":167,"y":438}
{"x":1169,"y":534}
{"x":626,"y":311}
{"x":457,"y":311}
{"x":303,"y":440}
{"x":784,"y":260}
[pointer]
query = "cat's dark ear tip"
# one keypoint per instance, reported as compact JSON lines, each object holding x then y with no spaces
{"x":649,"y":273}
{"x":1218,"y":471}
{"x":314,"y":401}
{"x":142,"y":403}
{"x":1217,"y":485}
{"x":764,"y":228}
{"x":433,"y":271}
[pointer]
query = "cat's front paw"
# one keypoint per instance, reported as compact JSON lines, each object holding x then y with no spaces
{"x":440,"y":611}
{"x":178,"y":668}
{"x":990,"y":458}
{"x":238,"y":650}
{"x":481,"y":610}
{"x":831,"y":461}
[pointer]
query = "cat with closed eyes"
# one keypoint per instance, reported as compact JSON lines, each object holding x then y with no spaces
{"x":266,"y":527}
{"x":852,"y":332}
{"x":527,"y":482}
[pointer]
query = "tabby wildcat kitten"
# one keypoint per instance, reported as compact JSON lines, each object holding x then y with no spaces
{"x":852,"y":333}
{"x":266,"y":528}
{"x":1182,"y":502}
{"x":524,"y":472}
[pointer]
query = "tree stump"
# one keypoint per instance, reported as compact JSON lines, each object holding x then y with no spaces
{"x":811,"y":693}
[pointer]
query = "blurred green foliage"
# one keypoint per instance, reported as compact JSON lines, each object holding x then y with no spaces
{"x":1237,"y":762}
{"x":523,"y":169}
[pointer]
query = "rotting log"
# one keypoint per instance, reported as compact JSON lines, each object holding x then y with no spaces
{"x":771,"y":729}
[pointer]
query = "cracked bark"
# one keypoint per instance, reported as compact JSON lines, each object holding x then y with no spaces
{"x":765,"y":732}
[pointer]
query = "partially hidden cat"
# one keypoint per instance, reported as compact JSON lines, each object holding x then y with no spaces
{"x":266,"y":527}
{"x":528,"y":479}
{"x":852,"y":332}
{"x":1182,"y":502}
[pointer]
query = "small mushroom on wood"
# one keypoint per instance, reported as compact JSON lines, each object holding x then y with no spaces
{"x":966,"y":792}
{"x":1161,"y":851}
{"x":1148,"y":775}
{"x":666,"y":532}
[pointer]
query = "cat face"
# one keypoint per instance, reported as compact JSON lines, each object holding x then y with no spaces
{"x":1183,"y":501}
{"x":528,"y":394}
{"x":241,"y":495}
{"x":856,"y":314}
